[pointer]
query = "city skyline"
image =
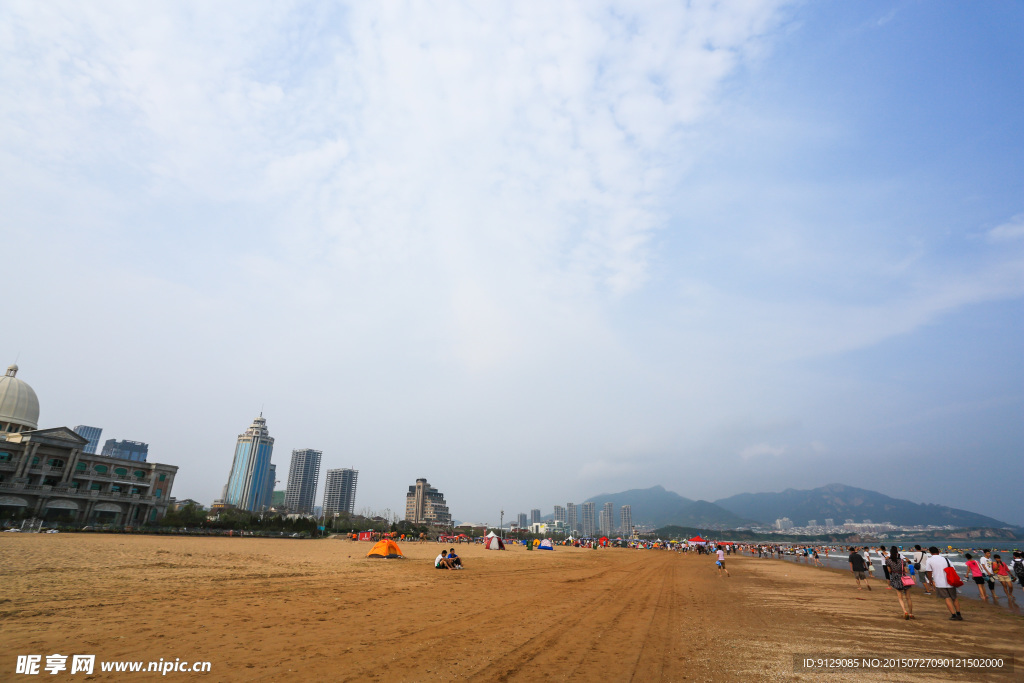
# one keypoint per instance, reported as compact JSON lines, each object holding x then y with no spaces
{"x":303,"y":477}
{"x":723,"y":248}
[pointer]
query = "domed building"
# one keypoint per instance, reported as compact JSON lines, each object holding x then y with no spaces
{"x":46,"y":473}
{"x":19,"y":407}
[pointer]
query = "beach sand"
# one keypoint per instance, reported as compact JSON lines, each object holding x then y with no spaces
{"x":302,"y":610}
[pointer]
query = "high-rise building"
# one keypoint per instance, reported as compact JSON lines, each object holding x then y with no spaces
{"x":829,"y":522}
{"x":340,"y":492}
{"x":607,"y":521}
{"x":426,"y":505}
{"x":571,"y":519}
{"x":126,"y":450}
{"x":92,"y":434}
{"x":277,"y":499}
{"x":522,"y":521}
{"x":535,"y":516}
{"x":812,"y":522}
{"x":559,"y":513}
{"x":587,"y":520}
{"x":626,"y":520}
{"x":303,"y":477}
{"x":251,"y":482}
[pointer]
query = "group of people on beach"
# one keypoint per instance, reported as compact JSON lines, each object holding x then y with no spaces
{"x":448,"y":560}
{"x":938,"y":576}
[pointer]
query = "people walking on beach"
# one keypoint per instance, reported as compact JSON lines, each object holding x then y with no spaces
{"x":885,"y":565}
{"x":1002,"y":573}
{"x":977,"y":575}
{"x":721,"y":562}
{"x":986,"y":566}
{"x":896,"y":570}
{"x":936,"y":564}
{"x":867,"y":562}
{"x":817,"y":562}
{"x":919,"y":565}
{"x":858,"y":568}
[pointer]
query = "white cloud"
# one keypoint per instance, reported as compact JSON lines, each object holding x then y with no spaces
{"x":1012,"y":229}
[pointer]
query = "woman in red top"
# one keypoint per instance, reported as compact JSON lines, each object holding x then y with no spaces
{"x":977,"y":575}
{"x":1003,"y":574}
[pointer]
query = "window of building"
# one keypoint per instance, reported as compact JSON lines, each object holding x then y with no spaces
{"x":55,"y":462}
{"x":162,"y":477}
{"x":74,"y":484}
{"x":50,"y":481}
{"x":35,"y":461}
{"x":140,"y":474}
{"x":135,"y":490}
{"x":115,"y":488}
{"x":102,"y":469}
{"x":121,"y":472}
{"x":94,"y":486}
{"x":81,"y":467}
{"x":159,"y":492}
{"x":5,"y":456}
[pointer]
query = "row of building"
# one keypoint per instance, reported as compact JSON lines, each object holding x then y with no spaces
{"x":253,"y":476}
{"x":580,"y":519}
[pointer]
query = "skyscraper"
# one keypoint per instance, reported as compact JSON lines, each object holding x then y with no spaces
{"x":340,"y":492}
{"x":426,"y":505}
{"x":535,"y":516}
{"x":92,"y":434}
{"x":571,"y":519}
{"x":126,"y":450}
{"x":251,"y":482}
{"x":626,"y":520}
{"x":587,"y":520}
{"x":522,"y":521}
{"x":303,"y":477}
{"x":559,"y":513}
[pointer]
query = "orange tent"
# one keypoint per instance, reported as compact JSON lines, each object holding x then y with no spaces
{"x":385,"y":548}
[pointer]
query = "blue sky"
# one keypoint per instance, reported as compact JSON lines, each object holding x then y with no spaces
{"x":718,"y":248}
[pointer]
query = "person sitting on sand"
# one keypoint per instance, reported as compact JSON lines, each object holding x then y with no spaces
{"x":441,"y":562}
{"x":454,"y":560}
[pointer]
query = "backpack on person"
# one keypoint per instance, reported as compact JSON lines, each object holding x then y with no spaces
{"x":1018,"y":569}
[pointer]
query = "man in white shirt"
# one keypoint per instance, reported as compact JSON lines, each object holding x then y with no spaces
{"x":441,"y":561}
{"x":937,"y":564}
{"x":986,"y":564}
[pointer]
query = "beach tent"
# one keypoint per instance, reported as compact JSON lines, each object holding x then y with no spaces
{"x":603,"y":541}
{"x":545,"y":545}
{"x":385,"y":548}
{"x":697,"y":540}
{"x":493,"y":542}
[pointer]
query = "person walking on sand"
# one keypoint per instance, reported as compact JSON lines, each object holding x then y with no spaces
{"x":897,"y":570}
{"x":857,"y":567}
{"x":885,"y":565}
{"x":936,"y":564}
{"x":1002,"y":573}
{"x":721,"y":562}
{"x":919,"y":565}
{"x":977,"y":575}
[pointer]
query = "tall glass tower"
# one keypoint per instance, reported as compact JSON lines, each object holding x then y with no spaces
{"x":251,"y":482}
{"x":303,"y":477}
{"x":91,"y":433}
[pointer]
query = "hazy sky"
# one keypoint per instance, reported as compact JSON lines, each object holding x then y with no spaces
{"x":531,"y":251}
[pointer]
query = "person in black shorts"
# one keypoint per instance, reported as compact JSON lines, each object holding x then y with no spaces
{"x":858,"y":568}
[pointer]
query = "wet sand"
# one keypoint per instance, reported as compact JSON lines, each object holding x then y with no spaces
{"x":283,"y":610}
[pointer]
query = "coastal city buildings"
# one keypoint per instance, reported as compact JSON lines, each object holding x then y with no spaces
{"x":126,"y":450}
{"x":46,"y":473}
{"x":607,"y":525}
{"x":626,"y":520}
{"x":340,"y":491}
{"x":522,"y":521}
{"x":571,"y":519}
{"x":535,"y":516}
{"x":783,"y":524}
{"x":587,"y":520}
{"x":829,"y":522}
{"x":252,"y":477}
{"x":559,"y":515}
{"x":92,"y":434}
{"x":426,"y":505}
{"x":303,"y":478}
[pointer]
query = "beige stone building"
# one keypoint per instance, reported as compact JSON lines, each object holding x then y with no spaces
{"x":45,"y":473}
{"x":426,"y":505}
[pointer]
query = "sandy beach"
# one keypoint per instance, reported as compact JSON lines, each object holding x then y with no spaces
{"x":281,"y":610}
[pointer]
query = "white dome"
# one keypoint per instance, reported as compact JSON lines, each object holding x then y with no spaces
{"x":18,"y":403}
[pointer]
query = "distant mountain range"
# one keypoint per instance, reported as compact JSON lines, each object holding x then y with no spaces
{"x":840,"y":503}
{"x":658,"y":507}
